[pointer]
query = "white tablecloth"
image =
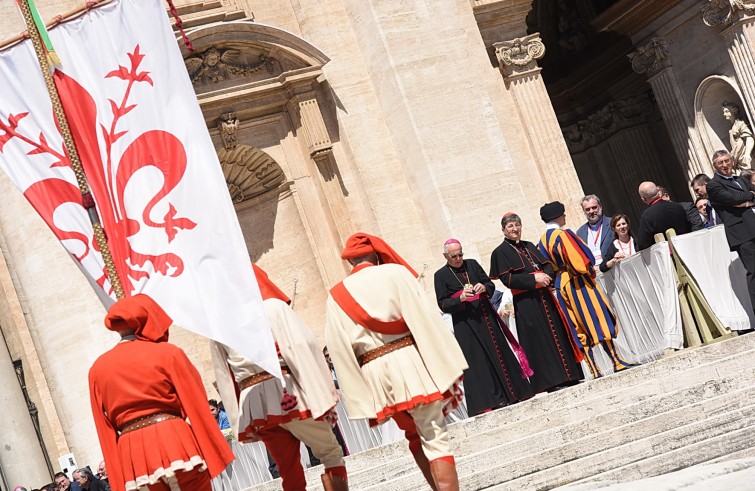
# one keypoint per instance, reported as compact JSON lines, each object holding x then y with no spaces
{"x":719,"y":273}
{"x":642,"y":292}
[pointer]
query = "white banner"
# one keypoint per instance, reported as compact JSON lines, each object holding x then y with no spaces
{"x":151,"y":166}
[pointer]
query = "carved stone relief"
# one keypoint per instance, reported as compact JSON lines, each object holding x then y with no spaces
{"x":722,"y":12}
{"x":248,"y":171}
{"x":651,"y":57}
{"x":606,"y":121}
{"x":217,"y":64}
{"x":520,"y":54}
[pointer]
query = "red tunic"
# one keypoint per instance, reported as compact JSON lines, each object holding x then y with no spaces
{"x":139,"y":378}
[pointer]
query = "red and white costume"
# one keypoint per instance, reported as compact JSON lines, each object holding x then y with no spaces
{"x":260,"y":415}
{"x":378,"y":304}
{"x":145,"y":376}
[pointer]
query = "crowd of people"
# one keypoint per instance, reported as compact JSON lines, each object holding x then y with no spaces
{"x":82,"y":479}
{"x":392,"y":353}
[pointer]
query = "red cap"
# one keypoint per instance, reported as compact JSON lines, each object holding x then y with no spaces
{"x":361,"y":244}
{"x":142,"y":315}
{"x":268,"y":289}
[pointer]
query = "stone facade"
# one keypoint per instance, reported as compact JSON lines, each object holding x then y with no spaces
{"x":414,"y":120}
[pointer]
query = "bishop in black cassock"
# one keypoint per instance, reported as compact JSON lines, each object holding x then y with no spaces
{"x":541,"y":331}
{"x":494,"y":377}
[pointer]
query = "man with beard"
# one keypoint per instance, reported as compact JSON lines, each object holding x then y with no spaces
{"x":583,"y":303}
{"x":494,"y":378}
{"x":596,"y":232}
{"x":550,"y":349}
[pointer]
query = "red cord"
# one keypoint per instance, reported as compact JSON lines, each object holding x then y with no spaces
{"x":179,"y":25}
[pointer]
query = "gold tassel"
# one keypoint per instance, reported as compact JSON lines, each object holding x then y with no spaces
{"x":53,"y":59}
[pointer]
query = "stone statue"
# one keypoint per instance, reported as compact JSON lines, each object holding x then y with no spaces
{"x":228,"y":124}
{"x":740,"y":136}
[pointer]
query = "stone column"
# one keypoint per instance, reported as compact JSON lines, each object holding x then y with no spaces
{"x":21,"y":456}
{"x":738,"y":19}
{"x":517,"y":59}
{"x":652,"y":60}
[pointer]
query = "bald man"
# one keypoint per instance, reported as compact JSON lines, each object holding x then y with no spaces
{"x":660,"y":216}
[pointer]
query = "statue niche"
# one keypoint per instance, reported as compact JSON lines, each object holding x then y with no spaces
{"x":248,"y":171}
{"x":740,"y":136}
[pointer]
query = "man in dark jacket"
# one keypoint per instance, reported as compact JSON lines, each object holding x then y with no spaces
{"x":732,"y":197}
{"x":660,"y":216}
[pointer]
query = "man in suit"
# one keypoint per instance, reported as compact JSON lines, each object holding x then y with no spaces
{"x":733,"y":197}
{"x":660,"y":216}
{"x":699,"y":185}
{"x":693,"y":216}
{"x":596,"y":232}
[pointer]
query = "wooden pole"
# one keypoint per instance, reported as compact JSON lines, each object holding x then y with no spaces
{"x":73,"y":154}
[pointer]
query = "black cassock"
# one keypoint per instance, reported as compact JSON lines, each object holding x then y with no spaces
{"x":494,"y":377}
{"x":539,"y":326}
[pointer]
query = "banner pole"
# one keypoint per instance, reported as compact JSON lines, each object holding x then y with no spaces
{"x":73,"y":154}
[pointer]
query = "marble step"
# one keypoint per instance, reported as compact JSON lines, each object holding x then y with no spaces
{"x":584,"y":400}
{"x":684,"y":373}
{"x":727,"y":445}
{"x":532,"y":466}
{"x":665,"y":410}
{"x":727,"y":475}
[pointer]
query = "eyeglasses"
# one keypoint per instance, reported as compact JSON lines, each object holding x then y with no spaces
{"x":456,"y":256}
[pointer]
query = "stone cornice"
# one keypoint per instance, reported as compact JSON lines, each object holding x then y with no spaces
{"x":628,"y":17}
{"x":724,"y":12}
{"x":651,"y":57}
{"x":520,"y":54}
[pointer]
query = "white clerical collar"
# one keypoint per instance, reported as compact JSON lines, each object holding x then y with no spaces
{"x":552,"y":225}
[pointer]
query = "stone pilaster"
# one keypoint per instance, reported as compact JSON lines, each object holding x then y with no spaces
{"x":321,"y":200}
{"x":652,"y":60}
{"x":737,"y":17}
{"x":517,"y":59}
{"x":313,"y":126}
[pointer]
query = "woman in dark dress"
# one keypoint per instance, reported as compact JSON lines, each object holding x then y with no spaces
{"x":494,"y":377}
{"x":549,"y":347}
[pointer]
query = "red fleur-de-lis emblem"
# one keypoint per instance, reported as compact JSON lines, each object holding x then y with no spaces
{"x":109,"y":173}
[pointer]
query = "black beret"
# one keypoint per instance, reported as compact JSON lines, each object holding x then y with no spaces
{"x":551,"y":211}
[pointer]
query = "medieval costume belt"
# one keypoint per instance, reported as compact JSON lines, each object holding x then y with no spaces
{"x":260,"y":377}
{"x":385,"y":349}
{"x":145,"y":421}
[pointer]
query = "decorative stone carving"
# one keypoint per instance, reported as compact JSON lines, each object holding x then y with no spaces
{"x":606,"y":121}
{"x":520,"y":54}
{"x":228,"y":124}
{"x":650,"y":58}
{"x":215,"y":65}
{"x":722,"y":12}
{"x":248,"y":171}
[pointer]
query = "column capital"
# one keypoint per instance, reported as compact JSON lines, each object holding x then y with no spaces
{"x":724,"y":12}
{"x":651,"y":57}
{"x":519,"y":55}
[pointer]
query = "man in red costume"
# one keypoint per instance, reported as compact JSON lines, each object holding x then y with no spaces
{"x":142,"y":393}
{"x":393,"y":354}
{"x":282,"y":418}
